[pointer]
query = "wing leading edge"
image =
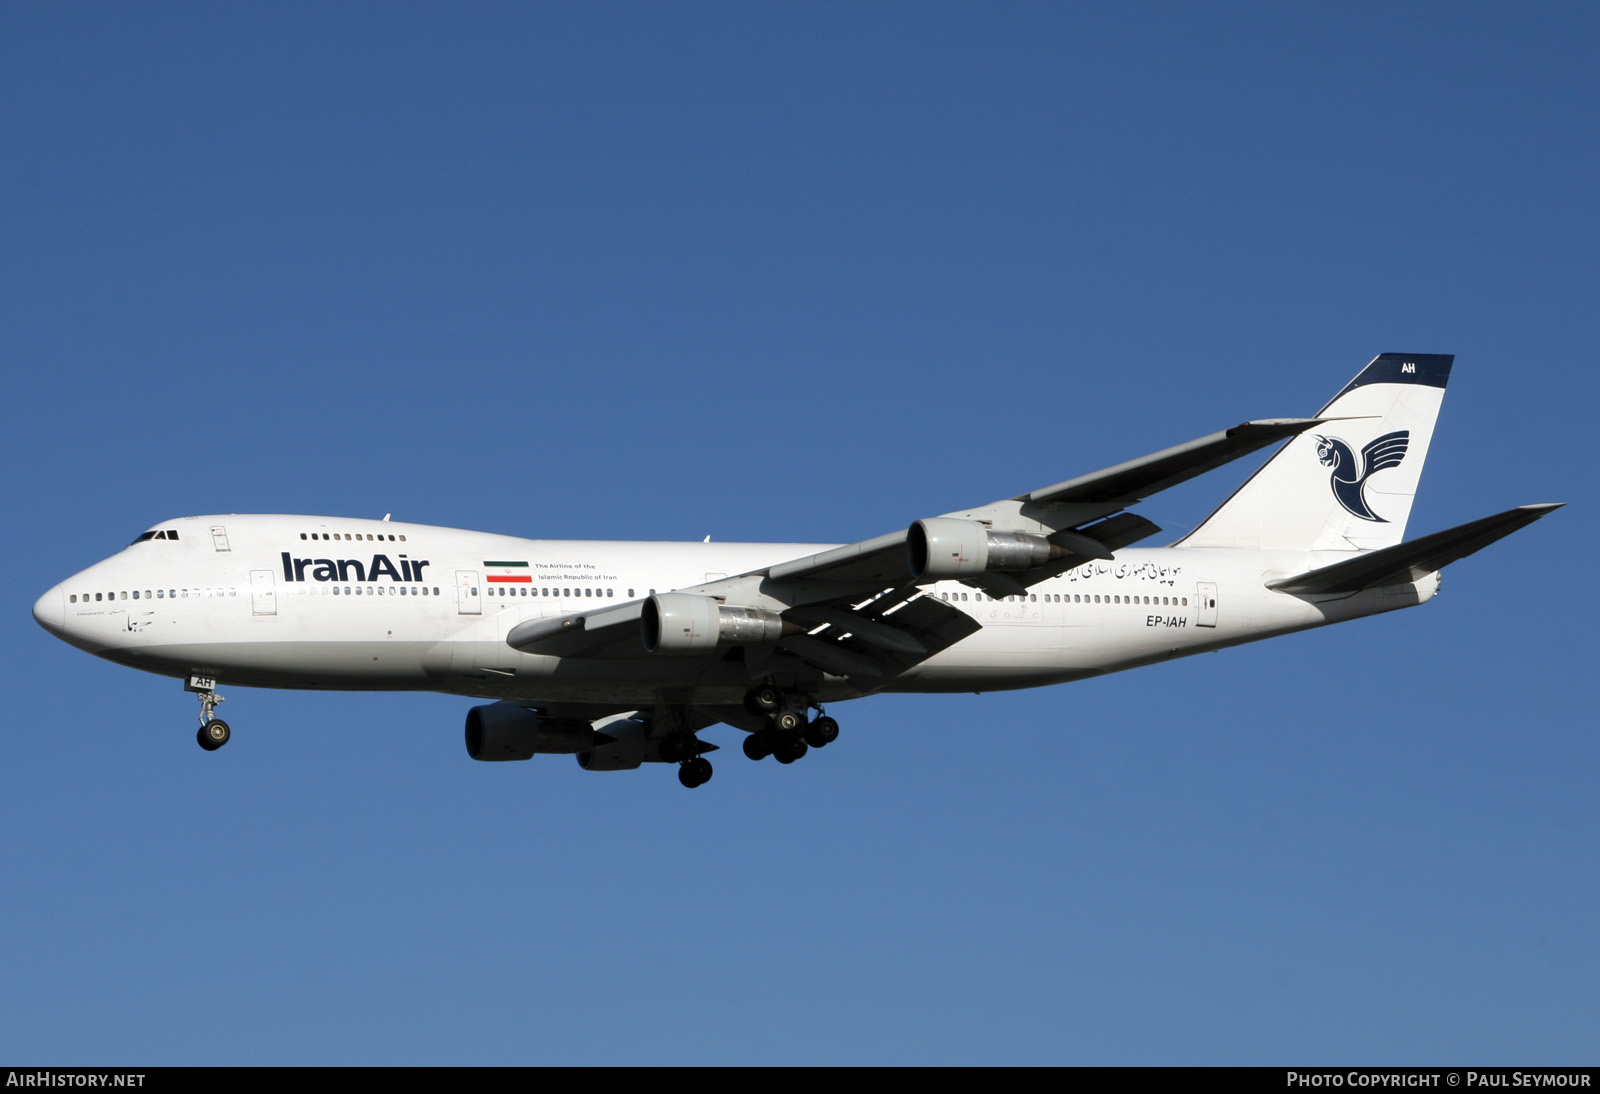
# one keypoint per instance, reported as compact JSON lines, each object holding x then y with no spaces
{"x":857,"y":610}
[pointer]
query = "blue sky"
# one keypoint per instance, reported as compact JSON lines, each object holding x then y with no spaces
{"x":801,"y":272}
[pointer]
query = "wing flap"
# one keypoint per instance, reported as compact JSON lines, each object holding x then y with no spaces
{"x":873,"y":642}
{"x":1416,"y":558}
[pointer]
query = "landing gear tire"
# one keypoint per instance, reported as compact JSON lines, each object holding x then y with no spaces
{"x":762,"y":699}
{"x":822,"y":732}
{"x":788,"y":721}
{"x":758,"y":746}
{"x":789,"y":749}
{"x":213,"y":735}
{"x":695,"y":772}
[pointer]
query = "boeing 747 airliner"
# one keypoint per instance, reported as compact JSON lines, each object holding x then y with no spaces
{"x":621,"y":653}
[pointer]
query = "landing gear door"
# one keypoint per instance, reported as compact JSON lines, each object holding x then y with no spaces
{"x":467,"y":599}
{"x":1206,"y":600}
{"x":263,"y":593}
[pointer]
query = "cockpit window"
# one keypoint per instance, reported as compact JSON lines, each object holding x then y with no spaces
{"x":165,"y":533}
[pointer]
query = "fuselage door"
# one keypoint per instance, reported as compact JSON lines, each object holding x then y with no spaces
{"x":467,"y":600}
{"x":263,"y":593}
{"x":219,"y":537}
{"x":1206,"y":599}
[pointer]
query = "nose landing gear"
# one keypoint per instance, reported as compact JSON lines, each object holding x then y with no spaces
{"x":214,"y":732}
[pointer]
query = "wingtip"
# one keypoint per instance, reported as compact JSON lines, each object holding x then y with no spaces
{"x":1285,"y":426}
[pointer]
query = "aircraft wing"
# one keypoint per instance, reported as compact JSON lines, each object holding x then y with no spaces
{"x":1061,"y":512}
{"x":611,"y":631}
{"x":858,"y":610}
{"x":885,"y":633}
{"x":1135,"y":480}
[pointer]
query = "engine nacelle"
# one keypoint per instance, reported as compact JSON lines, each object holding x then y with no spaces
{"x":620,"y":746}
{"x":942,"y":548}
{"x":683,"y":623}
{"x":510,"y":731}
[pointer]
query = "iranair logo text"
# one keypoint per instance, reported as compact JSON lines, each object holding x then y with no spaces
{"x":1350,"y":474}
{"x":352,"y":569}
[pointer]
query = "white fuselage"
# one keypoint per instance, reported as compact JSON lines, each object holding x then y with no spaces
{"x":317,"y":602}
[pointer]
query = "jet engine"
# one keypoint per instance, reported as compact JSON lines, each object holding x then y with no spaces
{"x":621,"y":745}
{"x":949,"y":547}
{"x":683,"y":623}
{"x":510,"y":731}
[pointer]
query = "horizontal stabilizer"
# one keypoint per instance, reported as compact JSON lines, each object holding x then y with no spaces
{"x":1406,"y":562}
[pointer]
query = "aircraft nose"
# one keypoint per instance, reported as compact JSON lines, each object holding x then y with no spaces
{"x":50,"y":611}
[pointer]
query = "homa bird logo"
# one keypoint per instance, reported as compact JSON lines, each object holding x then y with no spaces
{"x":1350,"y":475}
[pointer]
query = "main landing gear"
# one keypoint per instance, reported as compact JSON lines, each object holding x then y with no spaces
{"x":214,"y":732}
{"x":683,"y":749}
{"x":787,"y":734}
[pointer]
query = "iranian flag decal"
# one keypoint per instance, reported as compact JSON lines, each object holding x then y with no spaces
{"x":512,"y":572}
